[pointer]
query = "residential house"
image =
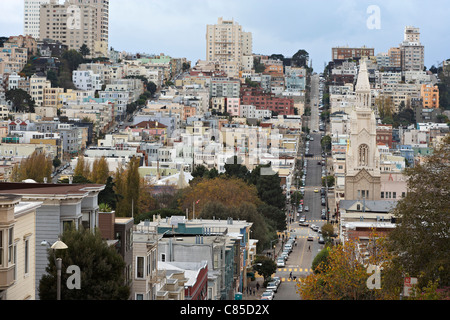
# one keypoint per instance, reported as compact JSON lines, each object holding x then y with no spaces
{"x":61,"y":206}
{"x":18,"y":237}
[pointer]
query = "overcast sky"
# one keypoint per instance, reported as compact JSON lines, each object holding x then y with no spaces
{"x":178,"y":27}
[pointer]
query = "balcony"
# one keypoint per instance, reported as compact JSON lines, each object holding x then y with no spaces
{"x":6,"y":277}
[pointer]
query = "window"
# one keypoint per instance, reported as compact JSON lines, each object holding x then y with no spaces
{"x":10,"y":244}
{"x":139,"y":296}
{"x":382,"y":195}
{"x":363,"y":155}
{"x":27,"y":256}
{"x":1,"y":247}
{"x":140,"y":267}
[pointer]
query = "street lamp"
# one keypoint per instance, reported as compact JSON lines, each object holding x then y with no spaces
{"x":58,"y":245}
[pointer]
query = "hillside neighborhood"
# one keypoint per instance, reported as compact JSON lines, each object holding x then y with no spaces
{"x":227,"y":178}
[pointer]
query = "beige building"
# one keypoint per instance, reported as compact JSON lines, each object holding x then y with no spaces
{"x":17,"y":248}
{"x":230,"y":46}
{"x":362,"y":176}
{"x":12,"y":58}
{"x":412,"y":51}
{"x":146,"y":279}
{"x":38,"y":84}
{"x":77,"y":22}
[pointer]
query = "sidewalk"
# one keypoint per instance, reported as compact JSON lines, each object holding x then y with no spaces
{"x":254,"y":293}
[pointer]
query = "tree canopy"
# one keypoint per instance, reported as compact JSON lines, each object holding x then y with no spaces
{"x":21,"y":101}
{"x":37,"y":167}
{"x":421,"y":238}
{"x":101,"y":267}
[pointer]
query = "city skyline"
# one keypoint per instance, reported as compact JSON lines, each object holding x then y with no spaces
{"x":178,"y":28}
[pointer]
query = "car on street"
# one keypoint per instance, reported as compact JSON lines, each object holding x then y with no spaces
{"x":303,"y":224}
{"x":280,"y":262}
{"x":306,"y":208}
{"x":316,"y":190}
{"x":277,"y":280}
{"x":321,"y":240}
{"x":310,"y":237}
{"x":272,"y":286}
{"x":267,"y":295}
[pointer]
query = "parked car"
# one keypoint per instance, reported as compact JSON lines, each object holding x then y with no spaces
{"x":267,"y":295}
{"x":277,"y":280}
{"x":321,"y":240}
{"x":280,"y":262}
{"x":272,"y":286}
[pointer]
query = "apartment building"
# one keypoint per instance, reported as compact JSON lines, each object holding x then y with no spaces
{"x":87,"y":80}
{"x":38,"y":84}
{"x":77,"y":22}
{"x":17,"y":247}
{"x":344,"y":53}
{"x":256,"y":97}
{"x":32,"y":10}
{"x":412,"y":51}
{"x":230,"y":46}
{"x":27,"y":42}
{"x":224,"y":88}
{"x":395,"y":57}
{"x":12,"y":58}
{"x":430,"y":96}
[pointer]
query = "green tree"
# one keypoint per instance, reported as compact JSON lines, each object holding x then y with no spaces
{"x":300,"y":58}
{"x":235,"y":168}
{"x":102,"y":269}
{"x":268,"y":184}
{"x":108,"y":195}
{"x":151,"y":87}
{"x":56,"y":162}
{"x":21,"y":101}
{"x":84,"y":50}
{"x":420,"y":239}
{"x":325,"y":142}
{"x":73,"y":58}
{"x":264,"y":266}
{"x":133,"y":185}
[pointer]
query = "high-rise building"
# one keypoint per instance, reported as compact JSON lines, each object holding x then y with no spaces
{"x":31,"y":17}
{"x":395,"y":59}
{"x":230,"y":46}
{"x":77,"y":22}
{"x":412,"y":51}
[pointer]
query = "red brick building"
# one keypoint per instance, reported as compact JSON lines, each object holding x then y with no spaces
{"x":268,"y":101}
{"x":384,"y":134}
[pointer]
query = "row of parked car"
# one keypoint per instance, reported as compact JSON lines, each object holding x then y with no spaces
{"x":287,"y":249}
{"x":271,"y":289}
